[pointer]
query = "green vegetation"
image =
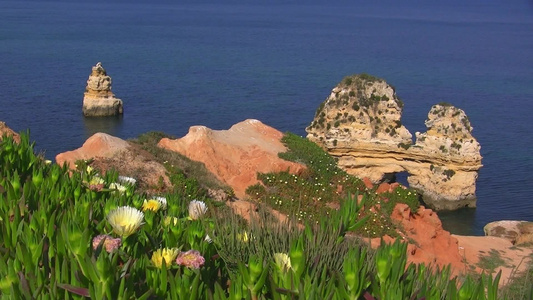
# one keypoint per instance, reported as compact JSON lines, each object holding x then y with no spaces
{"x":78,"y":234}
{"x":404,"y":146}
{"x":456,"y":145}
{"x":491,"y":261}
{"x":520,"y":286}
{"x":448,"y":173}
{"x":308,"y":196}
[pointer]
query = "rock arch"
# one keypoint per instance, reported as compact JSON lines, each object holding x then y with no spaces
{"x":359,"y":123}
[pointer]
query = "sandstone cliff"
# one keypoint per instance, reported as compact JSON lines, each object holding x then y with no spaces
{"x":360,"y":124}
{"x":236,"y":155}
{"x":4,"y":130}
{"x":108,"y":152}
{"x":98,"y":100}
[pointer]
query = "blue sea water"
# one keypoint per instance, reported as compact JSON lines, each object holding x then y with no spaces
{"x":181,"y":63}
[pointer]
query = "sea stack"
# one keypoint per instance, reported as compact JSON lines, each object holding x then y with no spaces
{"x":360,"y":124}
{"x":98,"y":100}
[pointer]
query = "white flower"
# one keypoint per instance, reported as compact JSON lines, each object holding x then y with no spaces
{"x":208,"y":239}
{"x":118,"y":187}
{"x":127,"y":180}
{"x":197,"y":209}
{"x":161,"y":200}
{"x":125,"y":220}
{"x":283,"y":261}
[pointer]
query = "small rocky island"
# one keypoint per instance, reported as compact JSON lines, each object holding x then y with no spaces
{"x":98,"y":100}
{"x":360,"y":124}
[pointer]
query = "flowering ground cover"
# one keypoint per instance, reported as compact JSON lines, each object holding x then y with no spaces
{"x":80,"y":234}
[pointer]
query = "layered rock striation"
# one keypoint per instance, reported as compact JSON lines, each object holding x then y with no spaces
{"x":98,"y":100}
{"x":236,"y":155}
{"x":360,"y":124}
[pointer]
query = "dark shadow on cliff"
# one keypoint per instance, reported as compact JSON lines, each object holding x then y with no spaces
{"x":110,"y":125}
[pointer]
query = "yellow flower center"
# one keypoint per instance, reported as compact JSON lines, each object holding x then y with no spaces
{"x":152,"y":205}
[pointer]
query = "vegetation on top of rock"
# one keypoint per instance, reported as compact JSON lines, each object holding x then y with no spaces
{"x":183,"y":171}
{"x":445,"y":104}
{"x":311,"y":195}
{"x":357,"y":78}
{"x":356,"y":99}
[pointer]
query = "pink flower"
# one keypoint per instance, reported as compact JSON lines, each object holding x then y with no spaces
{"x":110,"y":243}
{"x":191,"y":259}
{"x":96,"y":187}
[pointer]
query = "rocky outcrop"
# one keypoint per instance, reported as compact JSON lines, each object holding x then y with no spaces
{"x":517,"y":232}
{"x":360,"y":124}
{"x":108,"y":152}
{"x":98,"y":100}
{"x":236,"y":155}
{"x":4,"y":130}
{"x":98,"y":145}
{"x":430,"y":243}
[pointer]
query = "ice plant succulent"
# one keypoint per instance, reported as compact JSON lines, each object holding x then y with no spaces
{"x":110,"y":244}
{"x":283,"y":261}
{"x":163,"y":201}
{"x":155,"y":204}
{"x":127,"y":180}
{"x":243,"y":237}
{"x":191,"y":259}
{"x":168,"y":220}
{"x":197,"y":209}
{"x":96,"y":180}
{"x":166,"y":254}
{"x":125,"y":220}
{"x":117,"y":186}
{"x":152,"y":205}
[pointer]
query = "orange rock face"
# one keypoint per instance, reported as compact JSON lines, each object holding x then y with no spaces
{"x":98,"y":145}
{"x":433,"y":245}
{"x":236,"y":155}
{"x":110,"y":152}
{"x":428,"y":242}
{"x":6,"y":130}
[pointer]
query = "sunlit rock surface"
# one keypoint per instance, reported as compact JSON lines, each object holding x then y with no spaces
{"x":360,"y":124}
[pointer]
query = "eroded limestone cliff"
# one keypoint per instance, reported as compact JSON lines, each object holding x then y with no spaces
{"x":235,"y":155}
{"x":98,"y":100}
{"x":360,"y":124}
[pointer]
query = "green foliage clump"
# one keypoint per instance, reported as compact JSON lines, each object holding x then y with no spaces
{"x":309,"y":196}
{"x":368,"y":77}
{"x":404,"y":146}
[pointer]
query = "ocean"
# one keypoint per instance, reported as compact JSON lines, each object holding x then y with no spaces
{"x":216,"y":63}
